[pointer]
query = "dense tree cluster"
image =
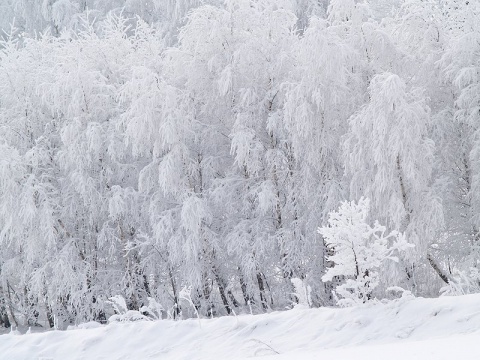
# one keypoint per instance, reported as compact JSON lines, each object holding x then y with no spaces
{"x":185,"y":153}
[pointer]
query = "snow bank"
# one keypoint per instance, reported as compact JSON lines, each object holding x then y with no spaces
{"x":444,"y":328}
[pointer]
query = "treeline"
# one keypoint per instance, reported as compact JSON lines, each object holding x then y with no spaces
{"x":195,"y":166}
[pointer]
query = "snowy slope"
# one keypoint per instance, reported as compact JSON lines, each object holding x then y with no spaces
{"x":444,"y":328}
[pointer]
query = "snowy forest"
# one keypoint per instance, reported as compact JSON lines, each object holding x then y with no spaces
{"x":187,"y":158}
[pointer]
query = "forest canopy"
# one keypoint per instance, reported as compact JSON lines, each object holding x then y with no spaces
{"x":201,"y":158}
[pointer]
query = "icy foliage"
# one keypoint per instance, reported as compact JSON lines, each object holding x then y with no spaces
{"x":152,"y":146}
{"x":359,"y":251}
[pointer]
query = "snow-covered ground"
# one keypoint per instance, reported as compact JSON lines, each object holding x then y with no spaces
{"x":444,"y":328}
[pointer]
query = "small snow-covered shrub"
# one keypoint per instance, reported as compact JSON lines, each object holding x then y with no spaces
{"x":122,"y":314}
{"x":399,"y":293}
{"x":153,"y":309}
{"x":358,"y":251}
{"x":186,"y":295}
{"x":462,"y":282}
{"x":302,"y":292}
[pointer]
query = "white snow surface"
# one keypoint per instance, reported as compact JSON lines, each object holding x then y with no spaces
{"x":443,"y":328}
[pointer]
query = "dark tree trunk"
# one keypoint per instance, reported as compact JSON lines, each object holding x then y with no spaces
{"x":261,"y":287}
{"x":437,"y":269}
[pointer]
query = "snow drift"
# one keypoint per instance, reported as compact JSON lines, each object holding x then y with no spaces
{"x":443,"y":328}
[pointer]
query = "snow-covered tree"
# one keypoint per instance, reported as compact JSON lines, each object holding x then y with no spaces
{"x":389,"y":157}
{"x":458,"y":131}
{"x":359,"y":251}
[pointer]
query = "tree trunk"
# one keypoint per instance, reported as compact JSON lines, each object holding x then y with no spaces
{"x":176,"y":306}
{"x":11,"y":315}
{"x":221,"y":289}
{"x":261,"y":287}
{"x":438,"y":270}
